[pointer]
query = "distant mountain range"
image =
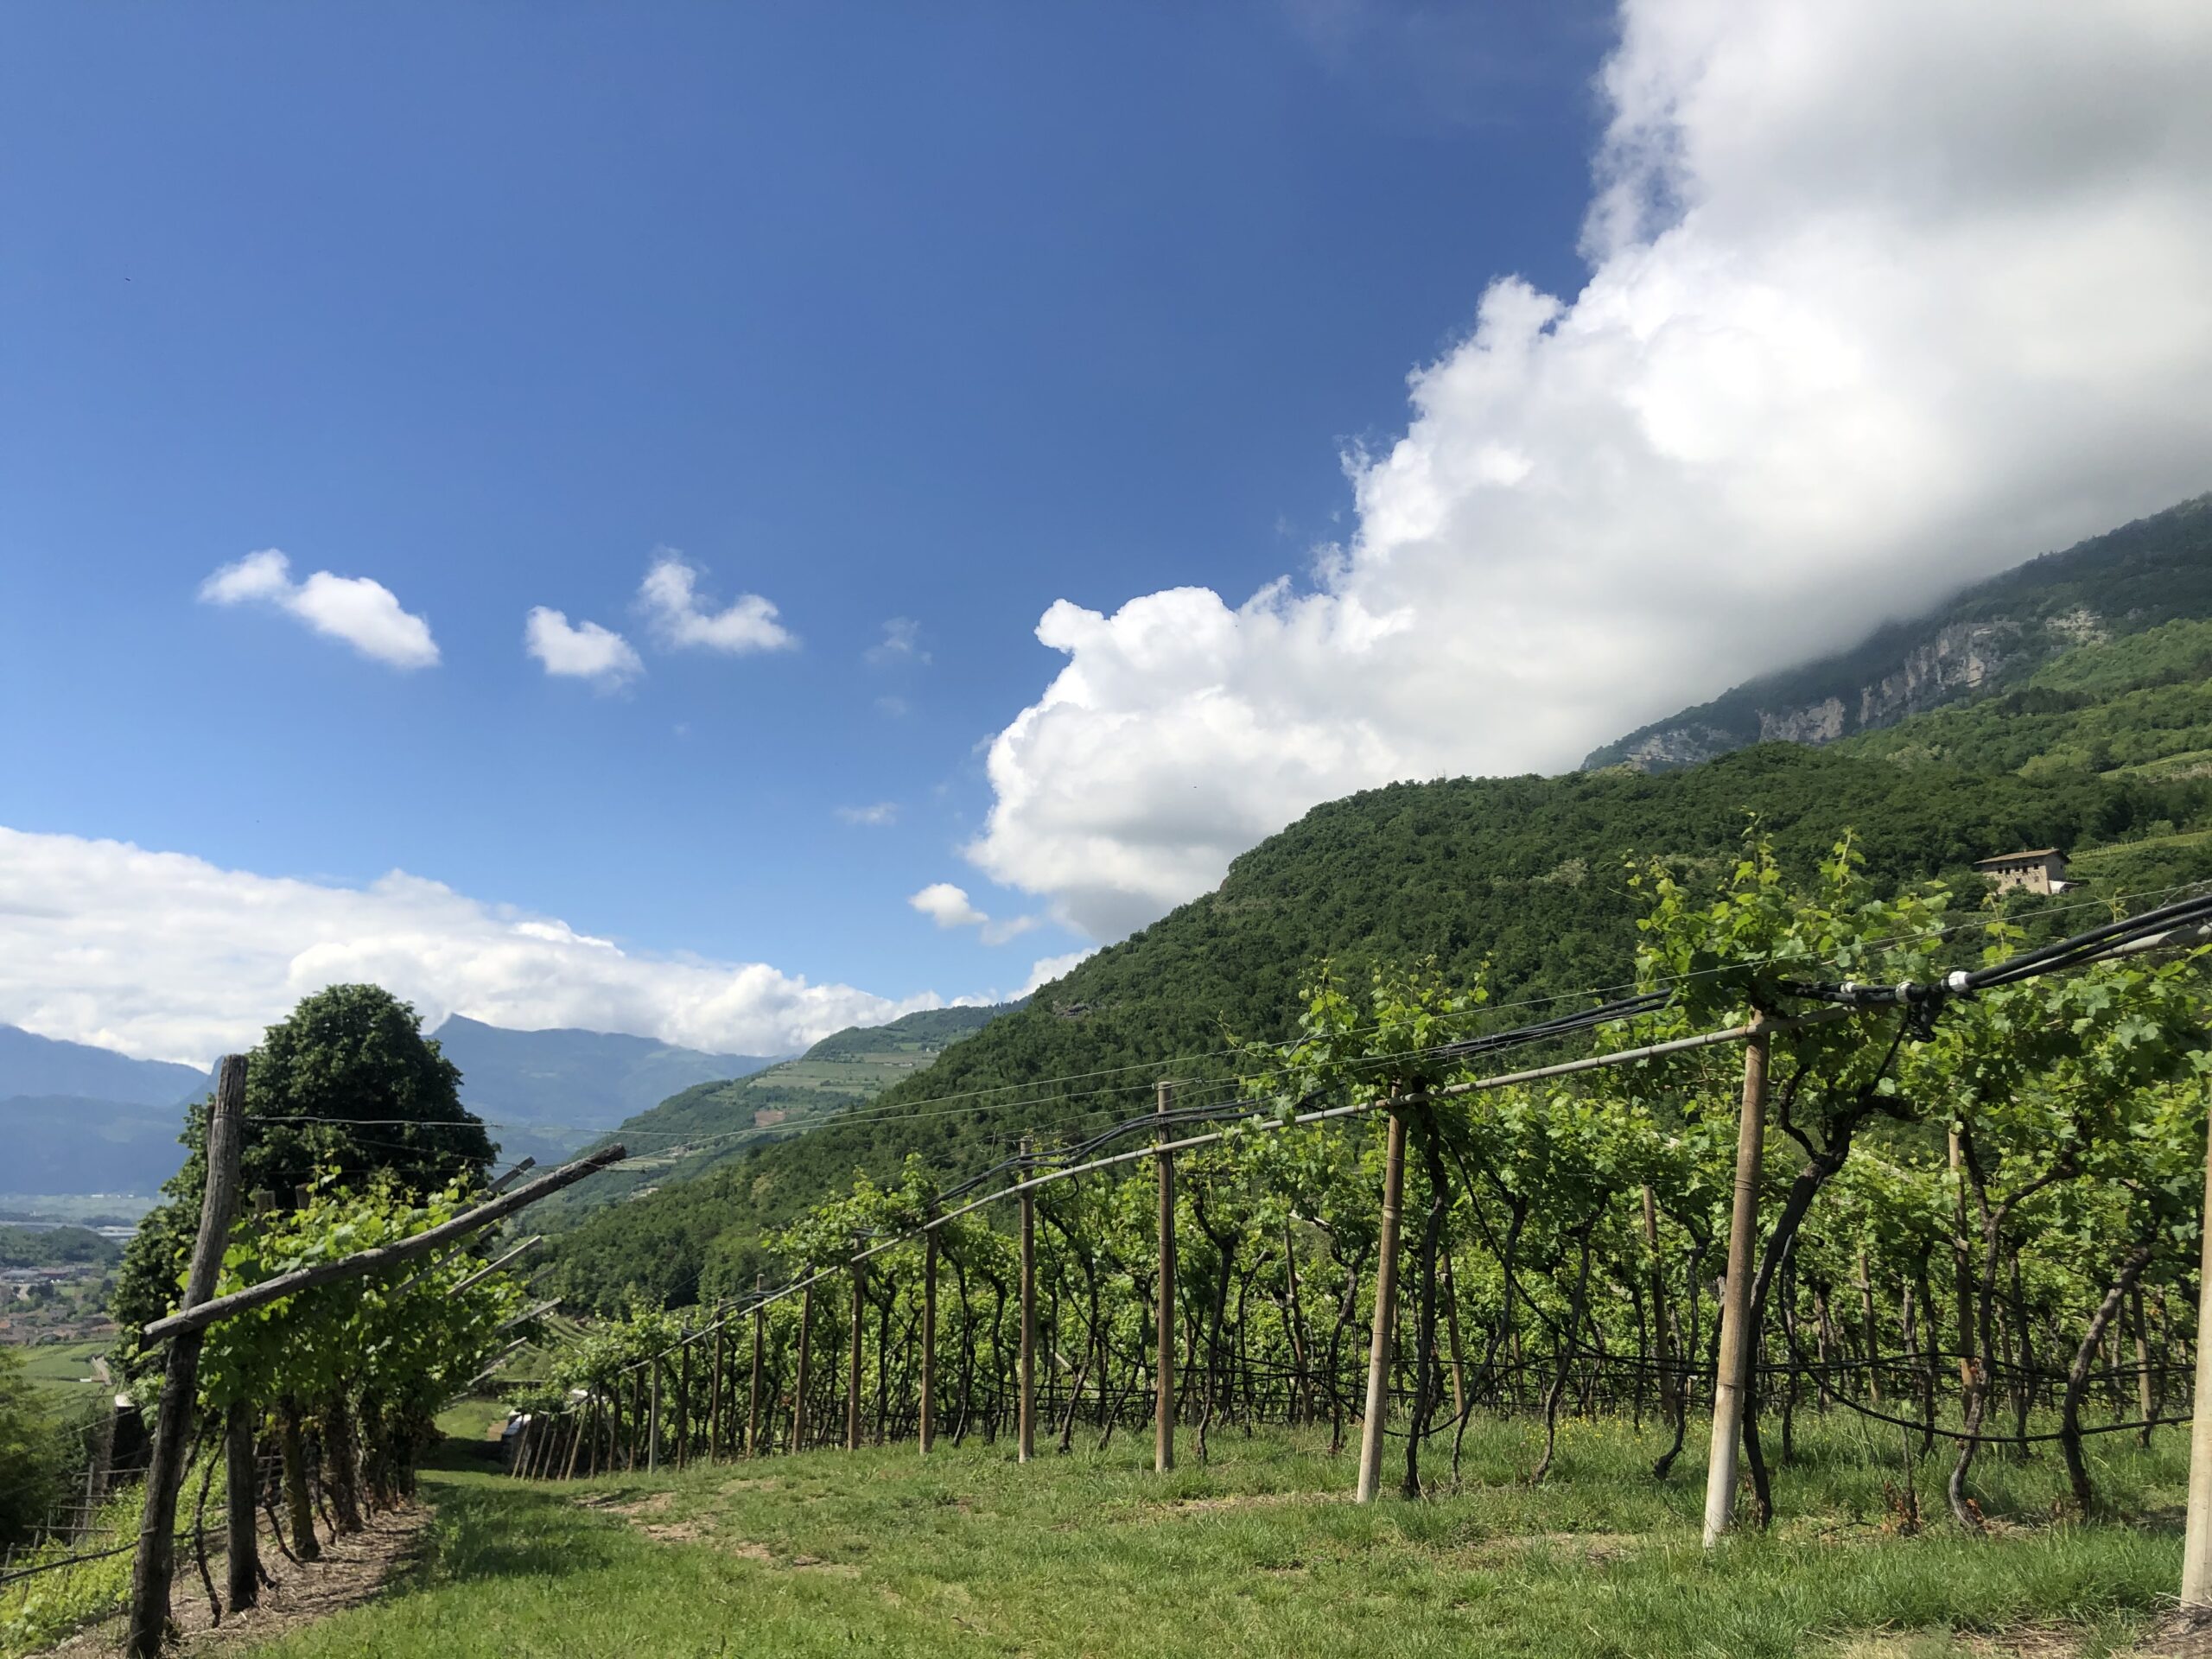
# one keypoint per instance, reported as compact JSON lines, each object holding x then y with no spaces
{"x":707,"y":1125}
{"x":1990,"y":637}
{"x":78,"y":1119}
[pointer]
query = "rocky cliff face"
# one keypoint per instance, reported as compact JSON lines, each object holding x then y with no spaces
{"x":2125,"y":581}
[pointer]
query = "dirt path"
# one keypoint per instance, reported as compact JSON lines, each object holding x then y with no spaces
{"x":351,"y":1571}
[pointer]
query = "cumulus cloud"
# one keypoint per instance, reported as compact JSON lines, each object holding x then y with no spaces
{"x":167,"y":956}
{"x":949,"y":907}
{"x":900,"y":646}
{"x":1046,"y":969}
{"x":364,"y":613}
{"x":1880,"y":300}
{"x":670,"y":597}
{"x":585,"y":651}
{"x":878,"y":815}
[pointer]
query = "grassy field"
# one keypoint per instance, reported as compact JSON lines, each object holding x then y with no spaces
{"x":64,"y":1370}
{"x":1260,"y":1553}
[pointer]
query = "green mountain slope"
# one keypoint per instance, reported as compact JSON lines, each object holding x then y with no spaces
{"x":550,"y":1092}
{"x":710,"y":1123}
{"x":1527,"y":872}
{"x":1991,"y":637}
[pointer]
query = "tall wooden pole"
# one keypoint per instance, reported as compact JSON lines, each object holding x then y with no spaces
{"x":652,"y":1424}
{"x":1730,"y":1383}
{"x":1386,"y":1313}
{"x":853,"y":1366}
{"x":1669,"y":1384}
{"x":759,"y":1343}
{"x":1027,"y":1419}
{"x":2196,"y":1543}
{"x":683,"y":1398}
{"x":714,"y":1393}
{"x":244,"y":1551}
{"x":927,"y":1429}
{"x":150,"y":1573}
{"x":1163,"y":1398}
{"x":799,"y":1382}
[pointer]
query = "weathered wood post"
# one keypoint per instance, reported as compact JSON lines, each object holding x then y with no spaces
{"x":714,"y":1398}
{"x":652,"y":1423}
{"x":853,"y":1365}
{"x":1026,"y":1443}
{"x":1669,"y":1384}
{"x":759,"y":1342}
{"x":1731,"y":1381}
{"x":799,"y":1382}
{"x":683,"y":1398}
{"x":150,"y":1573}
{"x":1386,"y":1313}
{"x":2197,"y":1544}
{"x":927,"y":1429}
{"x":243,"y":1549}
{"x":1163,"y":1397}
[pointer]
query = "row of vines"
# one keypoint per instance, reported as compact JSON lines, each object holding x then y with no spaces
{"x":1979,"y":1222}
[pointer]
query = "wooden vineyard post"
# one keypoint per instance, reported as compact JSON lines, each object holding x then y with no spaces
{"x":759,"y":1343}
{"x":927,"y":1429}
{"x":798,"y":1383}
{"x":715,"y":1396}
{"x":243,"y":1551}
{"x":652,"y":1423}
{"x":2196,"y":1543}
{"x":1669,"y":1383}
{"x":1027,"y":1421}
{"x":684,"y":1341}
{"x":1163,"y":1398}
{"x":853,"y":1365}
{"x":1731,"y":1383}
{"x":1386,"y":1313}
{"x":150,"y":1574}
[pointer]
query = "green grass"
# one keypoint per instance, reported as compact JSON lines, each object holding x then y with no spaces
{"x":65,"y":1368}
{"x":1260,"y":1553}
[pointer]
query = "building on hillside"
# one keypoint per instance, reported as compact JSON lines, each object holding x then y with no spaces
{"x":2042,"y":870}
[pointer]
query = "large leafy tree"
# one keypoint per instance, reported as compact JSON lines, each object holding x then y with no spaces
{"x":346,"y":1087}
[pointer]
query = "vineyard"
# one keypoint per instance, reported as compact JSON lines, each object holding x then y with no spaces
{"x":1834,"y":1154}
{"x":1845,"y":1189}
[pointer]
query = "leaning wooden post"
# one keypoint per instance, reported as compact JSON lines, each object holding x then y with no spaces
{"x":1386,"y":1313}
{"x":799,"y":1382}
{"x":1731,"y":1381}
{"x":1163,"y":1395}
{"x":852,"y":1364}
{"x":1025,"y":1444}
{"x":759,"y":1342}
{"x":150,"y":1573}
{"x":2197,"y":1542}
{"x":927,"y":1429}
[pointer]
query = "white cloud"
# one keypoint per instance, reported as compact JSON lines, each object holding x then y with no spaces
{"x":585,"y":652}
{"x":900,"y":646}
{"x":1881,"y":300}
{"x":170,"y":956}
{"x":1046,"y":969}
{"x":365,"y":614}
{"x":669,"y":595}
{"x":949,"y":907}
{"x":878,"y":815}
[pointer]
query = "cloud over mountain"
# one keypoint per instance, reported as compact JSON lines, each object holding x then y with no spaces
{"x":168,"y":955}
{"x":1882,"y":298}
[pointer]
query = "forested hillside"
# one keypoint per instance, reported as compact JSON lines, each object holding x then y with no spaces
{"x":1990,"y":637}
{"x":1526,"y":874}
{"x":710,"y":1123}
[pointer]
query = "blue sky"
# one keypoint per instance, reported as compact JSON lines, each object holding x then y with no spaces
{"x":943,"y":314}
